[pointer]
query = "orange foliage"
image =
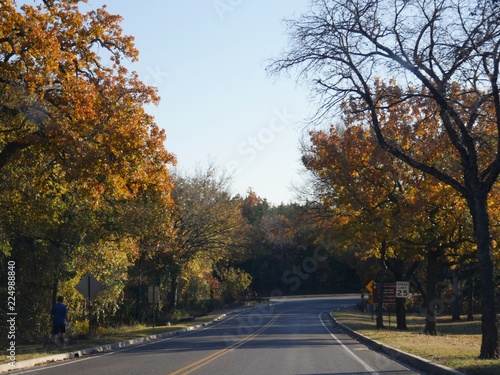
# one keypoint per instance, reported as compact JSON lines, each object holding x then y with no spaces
{"x":377,"y":198}
{"x":63,"y":88}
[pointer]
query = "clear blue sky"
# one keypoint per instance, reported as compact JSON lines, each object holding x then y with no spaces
{"x":208,"y":59}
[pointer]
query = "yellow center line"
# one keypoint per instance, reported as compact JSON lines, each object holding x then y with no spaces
{"x":212,"y":357}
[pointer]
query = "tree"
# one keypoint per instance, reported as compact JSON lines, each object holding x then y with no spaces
{"x":383,"y":208}
{"x":63,"y":89}
{"x":234,"y":284}
{"x":254,"y":207}
{"x":83,"y":167}
{"x":207,"y":223}
{"x":444,"y":53}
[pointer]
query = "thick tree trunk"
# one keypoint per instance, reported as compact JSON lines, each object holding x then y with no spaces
{"x":489,"y":323}
{"x":431,"y":291}
{"x":401,"y":314}
{"x":380,"y":306}
{"x":397,"y":267}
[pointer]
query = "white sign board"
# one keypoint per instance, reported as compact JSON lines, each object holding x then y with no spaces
{"x":402,"y":289}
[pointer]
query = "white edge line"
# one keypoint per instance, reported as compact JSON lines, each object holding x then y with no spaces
{"x":354,"y":356}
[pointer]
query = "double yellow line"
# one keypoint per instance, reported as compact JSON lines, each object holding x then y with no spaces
{"x":205,"y":361}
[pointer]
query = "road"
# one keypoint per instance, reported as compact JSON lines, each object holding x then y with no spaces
{"x":293,"y":336}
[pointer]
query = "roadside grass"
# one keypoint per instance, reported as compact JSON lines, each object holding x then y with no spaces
{"x":109,"y":336}
{"x":457,"y":344}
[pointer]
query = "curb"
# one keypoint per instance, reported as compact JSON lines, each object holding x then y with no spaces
{"x":5,"y":367}
{"x":414,"y":361}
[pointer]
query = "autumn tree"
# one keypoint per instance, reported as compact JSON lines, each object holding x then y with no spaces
{"x":254,"y":207}
{"x":445,"y":53}
{"x":82,"y":163}
{"x":379,"y":209}
{"x":207,"y":223}
{"x":360,"y":188}
{"x":64,"y":89}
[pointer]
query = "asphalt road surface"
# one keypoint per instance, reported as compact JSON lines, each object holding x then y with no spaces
{"x":292,"y":336}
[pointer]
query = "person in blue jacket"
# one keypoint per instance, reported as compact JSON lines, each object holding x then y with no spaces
{"x":59,"y":314}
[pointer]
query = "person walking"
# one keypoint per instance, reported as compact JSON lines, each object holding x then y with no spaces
{"x":59,"y":314}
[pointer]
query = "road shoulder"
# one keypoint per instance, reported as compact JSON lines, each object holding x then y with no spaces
{"x":415,"y":362}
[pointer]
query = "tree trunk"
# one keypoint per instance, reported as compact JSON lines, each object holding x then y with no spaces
{"x":489,"y":323}
{"x":174,"y":288}
{"x":401,"y":314}
{"x":470,"y":300}
{"x":55,"y":287}
{"x":380,"y":316}
{"x":455,"y":316}
{"x":56,"y":282}
{"x":138,"y":298}
{"x":380,"y":305}
{"x":397,"y":267}
{"x":431,"y":291}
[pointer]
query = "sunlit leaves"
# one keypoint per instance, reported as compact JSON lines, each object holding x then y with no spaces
{"x":84,"y":171}
{"x":376,"y":198}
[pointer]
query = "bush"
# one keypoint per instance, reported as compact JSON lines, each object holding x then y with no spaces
{"x":79,"y":329}
{"x":234,"y":284}
{"x":178,"y":315}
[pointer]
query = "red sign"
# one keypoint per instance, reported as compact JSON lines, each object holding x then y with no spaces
{"x":389,"y":293}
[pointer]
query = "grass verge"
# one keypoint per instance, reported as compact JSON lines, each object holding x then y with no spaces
{"x":24,"y":352}
{"x":457,"y":345}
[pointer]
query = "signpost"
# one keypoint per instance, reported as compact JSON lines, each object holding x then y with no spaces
{"x":153,"y":294}
{"x":89,"y":287}
{"x":154,"y":298}
{"x":369,"y":288}
{"x":389,"y":293}
{"x":388,"y":296}
{"x":402,"y":289}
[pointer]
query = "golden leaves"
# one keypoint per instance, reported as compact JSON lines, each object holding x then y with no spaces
{"x":377,"y":198}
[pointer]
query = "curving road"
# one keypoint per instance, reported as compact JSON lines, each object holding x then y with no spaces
{"x":293,"y":336}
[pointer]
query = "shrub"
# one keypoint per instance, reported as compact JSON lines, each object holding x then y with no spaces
{"x":234,"y":284}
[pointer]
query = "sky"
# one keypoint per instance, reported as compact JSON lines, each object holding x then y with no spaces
{"x":207,"y":58}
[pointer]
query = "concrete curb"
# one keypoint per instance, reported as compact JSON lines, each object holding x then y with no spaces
{"x":414,"y":361}
{"x":105,"y":348}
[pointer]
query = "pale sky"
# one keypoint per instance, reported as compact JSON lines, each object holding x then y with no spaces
{"x":208,"y":59}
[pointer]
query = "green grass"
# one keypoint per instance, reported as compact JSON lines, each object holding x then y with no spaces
{"x":24,"y":352}
{"x":457,"y":345}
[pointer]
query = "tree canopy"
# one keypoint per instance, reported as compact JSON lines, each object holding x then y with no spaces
{"x":444,"y":54}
